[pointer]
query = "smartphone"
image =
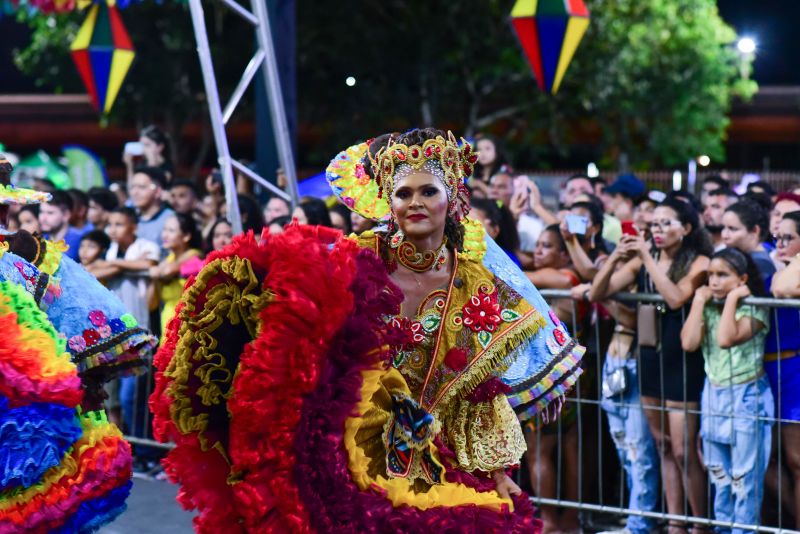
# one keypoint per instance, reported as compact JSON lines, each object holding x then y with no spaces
{"x":577,"y":224}
{"x":628,"y":228}
{"x":521,"y":183}
{"x":134,"y":148}
{"x":216,"y":177}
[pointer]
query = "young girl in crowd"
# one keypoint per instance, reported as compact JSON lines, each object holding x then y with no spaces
{"x":736,"y":397}
{"x":745,"y":225}
{"x":182,"y":238}
{"x":554,"y":271}
{"x":93,"y":249}
{"x":670,"y":379}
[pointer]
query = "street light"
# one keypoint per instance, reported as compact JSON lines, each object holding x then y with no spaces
{"x":350,"y":81}
{"x":746,"y":45}
{"x":704,"y":160}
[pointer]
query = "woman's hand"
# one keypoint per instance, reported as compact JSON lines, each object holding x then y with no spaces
{"x":703,"y":294}
{"x":519,"y":203}
{"x":636,"y":244}
{"x":565,"y":233}
{"x":505,"y":486}
{"x":579,"y":292}
{"x":739,"y":292}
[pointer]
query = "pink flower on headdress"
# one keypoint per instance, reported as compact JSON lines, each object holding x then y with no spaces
{"x":482,"y":313}
{"x":104,"y":331}
{"x":77,"y":344}
{"x":97,"y":317}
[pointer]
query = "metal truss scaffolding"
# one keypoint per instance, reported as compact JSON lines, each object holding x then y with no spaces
{"x":263,"y":59}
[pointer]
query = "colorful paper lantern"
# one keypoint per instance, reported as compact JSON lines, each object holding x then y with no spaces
{"x":103,"y":53}
{"x":549,"y":32}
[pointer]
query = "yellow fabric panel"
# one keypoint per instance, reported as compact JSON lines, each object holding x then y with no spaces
{"x":524,"y":8}
{"x":84,"y":36}
{"x":120,"y":64}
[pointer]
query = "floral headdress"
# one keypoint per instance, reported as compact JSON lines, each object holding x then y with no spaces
{"x":13,"y":195}
{"x":443,"y":158}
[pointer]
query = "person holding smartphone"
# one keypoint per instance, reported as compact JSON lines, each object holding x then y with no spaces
{"x":153,"y":149}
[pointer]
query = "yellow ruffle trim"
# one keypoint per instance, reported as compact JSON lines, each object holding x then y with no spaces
{"x":399,"y":490}
{"x":474,"y":244}
{"x":237,"y":299}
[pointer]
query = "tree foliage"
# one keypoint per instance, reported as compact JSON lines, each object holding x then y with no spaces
{"x":652,"y":82}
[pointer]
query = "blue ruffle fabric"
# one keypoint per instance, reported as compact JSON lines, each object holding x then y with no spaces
{"x":33,"y":439}
{"x":93,"y":514}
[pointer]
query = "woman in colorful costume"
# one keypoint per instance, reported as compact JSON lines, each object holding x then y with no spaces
{"x":357,"y":385}
{"x":63,"y":467}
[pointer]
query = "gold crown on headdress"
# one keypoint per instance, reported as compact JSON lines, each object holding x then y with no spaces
{"x":457,"y":163}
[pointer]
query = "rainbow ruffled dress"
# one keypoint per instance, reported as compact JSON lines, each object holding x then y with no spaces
{"x":61,"y":469}
{"x":288,"y":375}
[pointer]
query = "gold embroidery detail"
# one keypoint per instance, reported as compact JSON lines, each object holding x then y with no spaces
{"x":485,"y":436}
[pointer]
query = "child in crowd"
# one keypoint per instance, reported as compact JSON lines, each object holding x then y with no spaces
{"x":737,"y":399}
{"x":182,"y":239}
{"x":92,"y":250}
{"x":220,"y":236}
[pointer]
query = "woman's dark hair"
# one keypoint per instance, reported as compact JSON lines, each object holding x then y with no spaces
{"x":742,"y":263}
{"x":316,"y":211}
{"x":252,"y":216}
{"x":764,"y":186}
{"x":500,"y":216}
{"x":189,"y":227}
{"x":344,"y":211}
{"x":696,"y":243}
{"x":751,"y":214}
{"x":281,"y":221}
{"x":33,"y":208}
{"x":500,"y":159}
{"x":209,"y":244}
{"x":793,"y":216}
{"x":378,"y":143}
{"x":99,"y":237}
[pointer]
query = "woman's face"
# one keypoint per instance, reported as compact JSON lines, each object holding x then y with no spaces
{"x":171,"y":235}
{"x":735,"y":233}
{"x":788,"y":240}
{"x":486,"y":152}
{"x":300,"y":215}
{"x":222,"y":237}
{"x":419,"y":204}
{"x":722,"y":278}
{"x":28,"y":222}
{"x":478,"y":214}
{"x":643,"y":215}
{"x":152,"y":150}
{"x":548,"y":252}
{"x":337,"y":221}
{"x":666,"y":228}
{"x":88,"y":251}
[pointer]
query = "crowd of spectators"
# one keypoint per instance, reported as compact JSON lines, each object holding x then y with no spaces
{"x":659,"y":378}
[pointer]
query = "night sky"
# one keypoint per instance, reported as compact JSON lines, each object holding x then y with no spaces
{"x":772,"y":23}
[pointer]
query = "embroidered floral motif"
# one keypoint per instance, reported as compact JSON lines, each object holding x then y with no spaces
{"x":104,"y":331}
{"x":552,"y":346}
{"x":456,"y":358}
{"x":28,"y":271}
{"x":482,"y":313}
{"x":97,"y":317}
{"x":77,"y":343}
{"x":561,"y":338}
{"x":117,"y":326}
{"x":129,"y":321}
{"x":412,"y":332}
{"x":91,"y":336}
{"x":554,"y":318}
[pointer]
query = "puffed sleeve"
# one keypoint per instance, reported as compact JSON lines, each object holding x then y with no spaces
{"x":484,"y":435}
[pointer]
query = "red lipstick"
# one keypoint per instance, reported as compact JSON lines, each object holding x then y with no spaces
{"x":417,"y":217}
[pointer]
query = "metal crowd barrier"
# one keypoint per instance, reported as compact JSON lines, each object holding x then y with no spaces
{"x":600,"y":493}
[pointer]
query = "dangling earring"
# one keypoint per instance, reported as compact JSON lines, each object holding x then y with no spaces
{"x":397,"y":239}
